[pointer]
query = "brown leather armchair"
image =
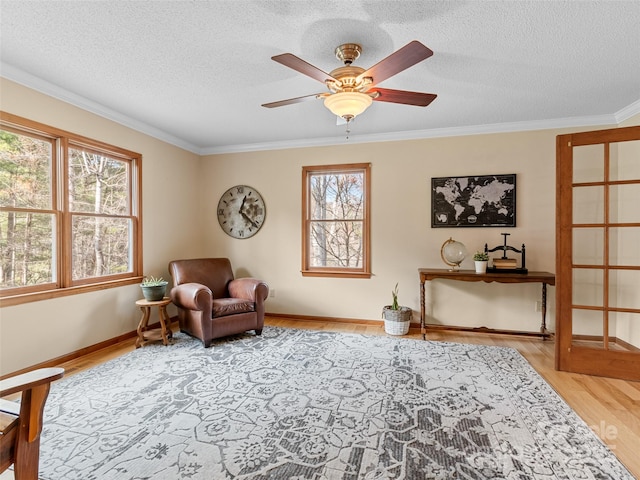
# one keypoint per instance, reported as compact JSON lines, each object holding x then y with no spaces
{"x":211,"y":303}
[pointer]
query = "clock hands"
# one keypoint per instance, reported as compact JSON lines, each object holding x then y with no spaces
{"x":246,"y":217}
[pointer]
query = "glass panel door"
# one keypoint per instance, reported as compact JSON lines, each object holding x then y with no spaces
{"x":598,"y":258}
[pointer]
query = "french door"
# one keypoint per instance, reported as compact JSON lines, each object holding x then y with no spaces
{"x":598,"y":253}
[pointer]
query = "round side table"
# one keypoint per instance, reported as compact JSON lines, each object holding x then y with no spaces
{"x":145,"y":334}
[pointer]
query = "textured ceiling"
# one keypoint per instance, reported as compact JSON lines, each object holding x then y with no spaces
{"x":195,"y":73}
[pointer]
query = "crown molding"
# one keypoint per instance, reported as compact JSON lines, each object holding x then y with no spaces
{"x":36,"y":83}
{"x":570,"y":122}
{"x":30,"y":81}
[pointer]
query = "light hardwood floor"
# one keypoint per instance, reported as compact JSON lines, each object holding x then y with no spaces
{"x":610,"y":407}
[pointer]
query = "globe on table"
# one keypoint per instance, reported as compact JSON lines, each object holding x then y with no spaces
{"x":453,"y":253}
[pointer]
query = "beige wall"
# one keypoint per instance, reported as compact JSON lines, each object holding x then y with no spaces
{"x":40,"y":331}
{"x":181,"y":192}
{"x":402,"y":237}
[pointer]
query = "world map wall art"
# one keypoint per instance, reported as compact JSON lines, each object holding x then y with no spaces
{"x":474,"y":201}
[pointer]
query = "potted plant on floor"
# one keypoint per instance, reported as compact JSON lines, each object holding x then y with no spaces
{"x":481,"y":260}
{"x":153,"y":289}
{"x":396,"y":317}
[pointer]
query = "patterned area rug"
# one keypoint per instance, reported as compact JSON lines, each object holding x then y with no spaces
{"x":305,"y":405}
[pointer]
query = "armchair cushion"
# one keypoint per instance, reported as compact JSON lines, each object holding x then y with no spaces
{"x":231,"y":306}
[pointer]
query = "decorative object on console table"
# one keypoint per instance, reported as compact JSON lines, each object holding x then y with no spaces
{"x":453,"y":253}
{"x":153,"y":289}
{"x":396,"y":317}
{"x":505,"y":264}
{"x":481,"y":260}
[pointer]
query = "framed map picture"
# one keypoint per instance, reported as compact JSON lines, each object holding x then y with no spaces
{"x":474,"y":201}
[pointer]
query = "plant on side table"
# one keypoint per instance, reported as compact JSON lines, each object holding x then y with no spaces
{"x":396,"y":317}
{"x":153,"y":289}
{"x":481,"y":260}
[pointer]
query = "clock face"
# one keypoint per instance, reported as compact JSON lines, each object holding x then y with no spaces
{"x":241,"y":211}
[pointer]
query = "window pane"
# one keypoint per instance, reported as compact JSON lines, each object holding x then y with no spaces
{"x":336,"y":196}
{"x":26,"y":241}
{"x":100,"y":246}
{"x":624,"y":163}
{"x":336,"y":244}
{"x":97,"y":183}
{"x":623,"y":246}
{"x":588,"y":163}
{"x":588,"y":286}
{"x":25,"y":171}
{"x":623,"y":288}
{"x":588,"y":323}
{"x":623,"y":203}
{"x":588,"y":204}
{"x":588,"y":246}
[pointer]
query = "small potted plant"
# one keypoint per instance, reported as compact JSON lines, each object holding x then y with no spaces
{"x":396,"y":317}
{"x":153,"y":288}
{"x":481,"y":260}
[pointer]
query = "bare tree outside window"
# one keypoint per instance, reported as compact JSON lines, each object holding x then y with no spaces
{"x":98,"y":186}
{"x":336,"y":220}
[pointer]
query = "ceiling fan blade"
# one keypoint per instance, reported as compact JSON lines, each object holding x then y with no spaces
{"x":418,"y":99}
{"x":299,"y":65}
{"x":291,"y":101}
{"x":412,"y":53}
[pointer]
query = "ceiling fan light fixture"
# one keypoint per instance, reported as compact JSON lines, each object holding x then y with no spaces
{"x":348,"y":104}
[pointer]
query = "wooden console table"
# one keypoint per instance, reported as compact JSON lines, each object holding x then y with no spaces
{"x":428,"y":274}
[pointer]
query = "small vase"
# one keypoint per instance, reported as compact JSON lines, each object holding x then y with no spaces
{"x":481,"y":267}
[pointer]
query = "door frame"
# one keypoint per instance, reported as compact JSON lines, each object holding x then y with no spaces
{"x":569,"y":356}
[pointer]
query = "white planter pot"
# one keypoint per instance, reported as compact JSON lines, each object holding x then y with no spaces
{"x":481,"y":267}
{"x":396,"y":322}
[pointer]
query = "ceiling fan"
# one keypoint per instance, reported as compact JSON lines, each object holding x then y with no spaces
{"x":352,"y":89}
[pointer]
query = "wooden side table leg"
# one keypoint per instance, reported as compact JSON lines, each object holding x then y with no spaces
{"x":423,"y":328}
{"x":164,"y":321}
{"x":163,"y":311}
{"x":142,"y":326}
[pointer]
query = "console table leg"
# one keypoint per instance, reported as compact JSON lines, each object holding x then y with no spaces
{"x":423,"y":328}
{"x":543,"y":326}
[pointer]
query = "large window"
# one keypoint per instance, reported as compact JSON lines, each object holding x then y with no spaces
{"x":335,"y":219}
{"x":69,"y":213}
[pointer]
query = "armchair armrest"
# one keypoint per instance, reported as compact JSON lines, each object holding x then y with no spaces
{"x":192,"y":296}
{"x":35,"y":387}
{"x":249,"y":289}
{"x":29,"y":380}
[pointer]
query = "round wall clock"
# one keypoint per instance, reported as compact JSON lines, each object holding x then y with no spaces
{"x":241,"y":211}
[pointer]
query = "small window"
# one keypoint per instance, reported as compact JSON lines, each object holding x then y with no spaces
{"x":335,"y":210}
